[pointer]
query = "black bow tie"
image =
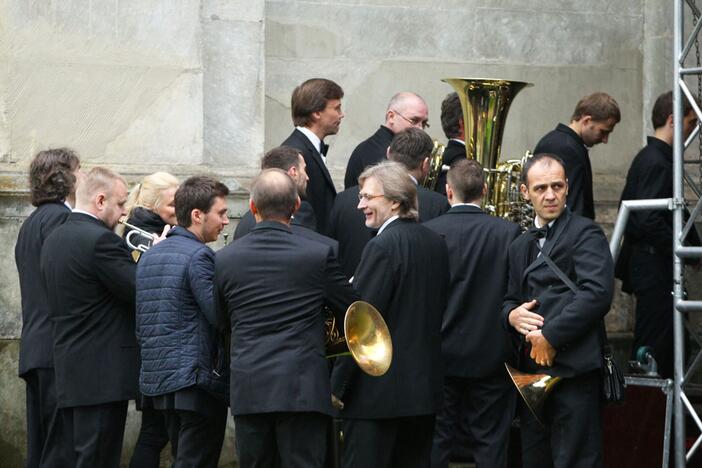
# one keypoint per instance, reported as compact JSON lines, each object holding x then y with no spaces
{"x":323,"y":149}
{"x":539,"y":233}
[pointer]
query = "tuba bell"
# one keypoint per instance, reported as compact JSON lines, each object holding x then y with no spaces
{"x":485,"y":105}
{"x":534,"y":389}
{"x":367,"y":339}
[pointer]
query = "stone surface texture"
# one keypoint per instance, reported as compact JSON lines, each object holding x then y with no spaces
{"x":203,"y":86}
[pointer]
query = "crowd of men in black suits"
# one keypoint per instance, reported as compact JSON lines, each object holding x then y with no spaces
{"x":191,"y":331}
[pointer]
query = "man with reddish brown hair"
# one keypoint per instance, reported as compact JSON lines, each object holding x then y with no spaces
{"x":593,"y":119}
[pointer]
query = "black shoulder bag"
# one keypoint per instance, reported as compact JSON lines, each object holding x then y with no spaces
{"x":612,"y":377}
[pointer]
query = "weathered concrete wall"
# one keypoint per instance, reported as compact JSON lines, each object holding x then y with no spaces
{"x":195,"y":86}
{"x":374,"y":48}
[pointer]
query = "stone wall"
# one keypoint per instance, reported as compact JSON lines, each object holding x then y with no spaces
{"x":195,"y":86}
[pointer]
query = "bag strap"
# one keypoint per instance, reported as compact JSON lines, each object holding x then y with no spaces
{"x":563,"y":277}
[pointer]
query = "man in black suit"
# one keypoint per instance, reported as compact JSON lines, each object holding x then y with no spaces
{"x":273,"y":284}
{"x":560,"y":330}
{"x":593,"y":120}
{"x":316,"y":114}
{"x":302,"y":222}
{"x":411,"y":148}
{"x":53,"y":175}
{"x":452,"y":124}
{"x":404,"y":110}
{"x":474,"y":344}
{"x":89,"y":275}
{"x":645,"y":262}
{"x":389,"y":420}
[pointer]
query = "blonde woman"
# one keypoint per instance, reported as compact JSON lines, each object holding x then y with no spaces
{"x":151,"y":207}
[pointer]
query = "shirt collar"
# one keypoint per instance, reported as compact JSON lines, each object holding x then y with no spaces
{"x":312,"y":137}
{"x":458,"y":140}
{"x":536,"y":222}
{"x":388,"y":221}
{"x":68,"y":205}
{"x":465,"y":204}
{"x":76,"y":210}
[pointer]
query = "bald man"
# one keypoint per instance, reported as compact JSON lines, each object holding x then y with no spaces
{"x":404,"y":110}
{"x":89,"y":275}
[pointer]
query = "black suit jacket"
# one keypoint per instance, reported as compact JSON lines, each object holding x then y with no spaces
{"x":474,"y":342}
{"x":89,"y":275}
{"x":572,"y":321}
{"x":320,"y":187}
{"x":273,"y":284}
{"x":36,"y":342}
{"x":347,"y":224}
{"x":454,"y":151}
{"x":404,"y":274}
{"x":568,"y":145}
{"x":370,"y":151}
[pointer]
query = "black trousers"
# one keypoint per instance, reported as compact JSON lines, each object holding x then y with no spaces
{"x":291,"y":440}
{"x":96,"y":432}
{"x":488,"y":406}
{"x":384,"y":443}
{"x":153,"y":437}
{"x":571,"y":436}
{"x":43,"y":420}
{"x":651,"y":277}
{"x":196,"y":439}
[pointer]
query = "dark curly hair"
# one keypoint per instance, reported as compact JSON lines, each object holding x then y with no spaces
{"x":51,"y":175}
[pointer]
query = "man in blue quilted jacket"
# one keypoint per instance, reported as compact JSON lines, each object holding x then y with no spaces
{"x":184,"y":372}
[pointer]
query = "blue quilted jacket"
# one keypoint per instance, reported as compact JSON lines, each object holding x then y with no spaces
{"x":176,"y":320}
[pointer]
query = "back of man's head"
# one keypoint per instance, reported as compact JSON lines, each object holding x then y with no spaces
{"x":197,"y":192}
{"x":281,"y":157}
{"x":274,"y":195}
{"x":98,"y":180}
{"x":451,"y":115}
{"x":410,"y":147}
{"x":51,"y":175}
{"x":599,"y":106}
{"x":312,"y":96}
{"x":466,"y":179}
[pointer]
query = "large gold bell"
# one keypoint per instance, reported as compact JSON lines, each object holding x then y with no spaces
{"x":367,"y":339}
{"x":534,"y":389}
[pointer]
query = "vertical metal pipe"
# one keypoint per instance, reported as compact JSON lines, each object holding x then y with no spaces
{"x":679,"y":426}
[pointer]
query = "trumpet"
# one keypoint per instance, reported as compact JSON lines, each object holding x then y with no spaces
{"x":135,"y":231}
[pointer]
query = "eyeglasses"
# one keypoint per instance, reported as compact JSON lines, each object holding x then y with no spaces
{"x":368,"y":196}
{"x":415,"y":121}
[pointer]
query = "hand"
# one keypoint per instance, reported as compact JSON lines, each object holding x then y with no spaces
{"x":541,"y":350}
{"x":158,"y":239}
{"x":336,"y":403}
{"x":525,"y":321}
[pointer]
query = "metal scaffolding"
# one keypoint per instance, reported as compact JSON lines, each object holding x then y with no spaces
{"x":682,"y":46}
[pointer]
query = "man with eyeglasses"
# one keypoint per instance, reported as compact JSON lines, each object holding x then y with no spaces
{"x":404,"y":110}
{"x":411,"y":148}
{"x":389,"y":420}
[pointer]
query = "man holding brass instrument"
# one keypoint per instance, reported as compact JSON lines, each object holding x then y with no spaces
{"x":389,"y":420}
{"x":560,"y":329}
{"x":273,"y":284}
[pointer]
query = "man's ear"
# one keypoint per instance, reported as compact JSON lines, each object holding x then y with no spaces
{"x":523,"y":190}
{"x":100,"y":199}
{"x":252,"y":207}
{"x":669,"y":121}
{"x":425,"y":166}
{"x":485,"y":191}
{"x":585,"y":119}
{"x":196,"y":216}
{"x":449,"y":193}
{"x":298,"y":202}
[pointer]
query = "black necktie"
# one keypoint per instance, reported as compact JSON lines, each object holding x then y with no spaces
{"x":323,"y":148}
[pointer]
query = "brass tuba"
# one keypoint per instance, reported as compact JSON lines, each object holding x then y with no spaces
{"x":485,"y":105}
{"x":367,"y":338}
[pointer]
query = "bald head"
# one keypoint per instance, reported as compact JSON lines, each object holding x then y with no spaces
{"x":406,"y":110}
{"x":274,"y":196}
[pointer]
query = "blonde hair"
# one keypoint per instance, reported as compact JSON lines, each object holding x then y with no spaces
{"x":99,"y":179}
{"x":147,"y":193}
